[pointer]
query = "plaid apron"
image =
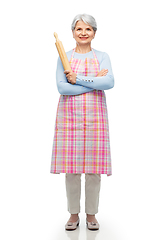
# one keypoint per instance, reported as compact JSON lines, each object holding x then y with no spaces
{"x":81,"y":141}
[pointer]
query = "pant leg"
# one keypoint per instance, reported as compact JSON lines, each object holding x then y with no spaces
{"x":92,"y":190}
{"x":73,"y":192}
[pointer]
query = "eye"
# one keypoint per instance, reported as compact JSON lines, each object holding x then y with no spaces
{"x":78,"y":29}
{"x":88,"y":29}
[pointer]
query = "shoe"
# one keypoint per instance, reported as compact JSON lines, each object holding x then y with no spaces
{"x":92,"y":225}
{"x":72,"y":225}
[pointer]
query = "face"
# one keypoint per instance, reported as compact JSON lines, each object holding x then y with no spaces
{"x":83,"y":33}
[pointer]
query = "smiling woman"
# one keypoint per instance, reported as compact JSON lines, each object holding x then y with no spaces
{"x":81,"y":141}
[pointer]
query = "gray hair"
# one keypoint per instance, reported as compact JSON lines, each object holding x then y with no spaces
{"x":88,"y":19}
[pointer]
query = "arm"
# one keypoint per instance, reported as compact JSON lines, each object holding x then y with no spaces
{"x":99,"y":83}
{"x":66,"y":88}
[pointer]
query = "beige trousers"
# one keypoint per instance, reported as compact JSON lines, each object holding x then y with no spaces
{"x":73,"y":192}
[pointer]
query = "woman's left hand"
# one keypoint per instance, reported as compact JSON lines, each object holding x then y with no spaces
{"x":71,"y":76}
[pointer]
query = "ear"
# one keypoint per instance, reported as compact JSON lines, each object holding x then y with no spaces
{"x":94,"y":34}
{"x":73,"y":33}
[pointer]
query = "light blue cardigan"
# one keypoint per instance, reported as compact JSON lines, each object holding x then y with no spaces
{"x":85,"y":83}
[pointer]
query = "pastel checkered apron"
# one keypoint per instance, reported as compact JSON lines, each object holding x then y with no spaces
{"x":81,"y":141}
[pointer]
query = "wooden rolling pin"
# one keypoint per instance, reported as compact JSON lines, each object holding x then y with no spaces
{"x":62,"y":53}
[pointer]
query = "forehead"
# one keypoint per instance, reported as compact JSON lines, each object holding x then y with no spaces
{"x":82,"y":25}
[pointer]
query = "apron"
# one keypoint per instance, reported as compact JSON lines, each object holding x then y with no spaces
{"x":81,"y":142}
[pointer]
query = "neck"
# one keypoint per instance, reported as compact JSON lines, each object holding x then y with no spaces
{"x":83,"y":48}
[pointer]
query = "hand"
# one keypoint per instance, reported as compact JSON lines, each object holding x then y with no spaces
{"x":102,"y":73}
{"x":71,"y":76}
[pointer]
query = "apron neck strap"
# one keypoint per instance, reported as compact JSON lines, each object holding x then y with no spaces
{"x":73,"y":53}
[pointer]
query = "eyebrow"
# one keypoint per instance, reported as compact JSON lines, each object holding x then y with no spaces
{"x":86,"y":27}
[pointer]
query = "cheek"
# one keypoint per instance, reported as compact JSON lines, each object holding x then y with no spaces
{"x":92,"y":35}
{"x":75,"y":35}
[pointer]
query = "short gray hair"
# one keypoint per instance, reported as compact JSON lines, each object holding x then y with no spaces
{"x":88,"y":19}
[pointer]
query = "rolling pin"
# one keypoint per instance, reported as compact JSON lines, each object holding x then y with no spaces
{"x":62,"y":53}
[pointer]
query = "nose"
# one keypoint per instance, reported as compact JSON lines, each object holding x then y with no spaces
{"x":83,"y":32}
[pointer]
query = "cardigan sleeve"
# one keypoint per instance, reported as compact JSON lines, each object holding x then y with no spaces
{"x":66,"y":88}
{"x":99,"y":83}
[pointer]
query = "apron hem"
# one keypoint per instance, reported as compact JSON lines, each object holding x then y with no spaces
{"x":108,"y":174}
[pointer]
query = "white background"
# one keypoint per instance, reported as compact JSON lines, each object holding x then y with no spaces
{"x":132,"y":201}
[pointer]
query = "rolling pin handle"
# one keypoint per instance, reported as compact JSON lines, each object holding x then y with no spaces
{"x":56,"y":36}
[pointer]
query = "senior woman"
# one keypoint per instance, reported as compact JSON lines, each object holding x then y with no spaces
{"x":81,"y":142}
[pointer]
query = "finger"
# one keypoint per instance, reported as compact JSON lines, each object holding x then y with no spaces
{"x":104,"y":70}
{"x":104,"y":73}
{"x":66,"y":72}
{"x":68,"y":75}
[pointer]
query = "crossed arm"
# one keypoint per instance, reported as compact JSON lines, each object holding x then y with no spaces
{"x":69,"y":83}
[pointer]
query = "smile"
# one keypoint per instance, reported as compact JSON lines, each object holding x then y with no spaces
{"x":83,"y":38}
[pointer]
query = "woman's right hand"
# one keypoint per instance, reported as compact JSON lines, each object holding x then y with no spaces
{"x":102,"y":73}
